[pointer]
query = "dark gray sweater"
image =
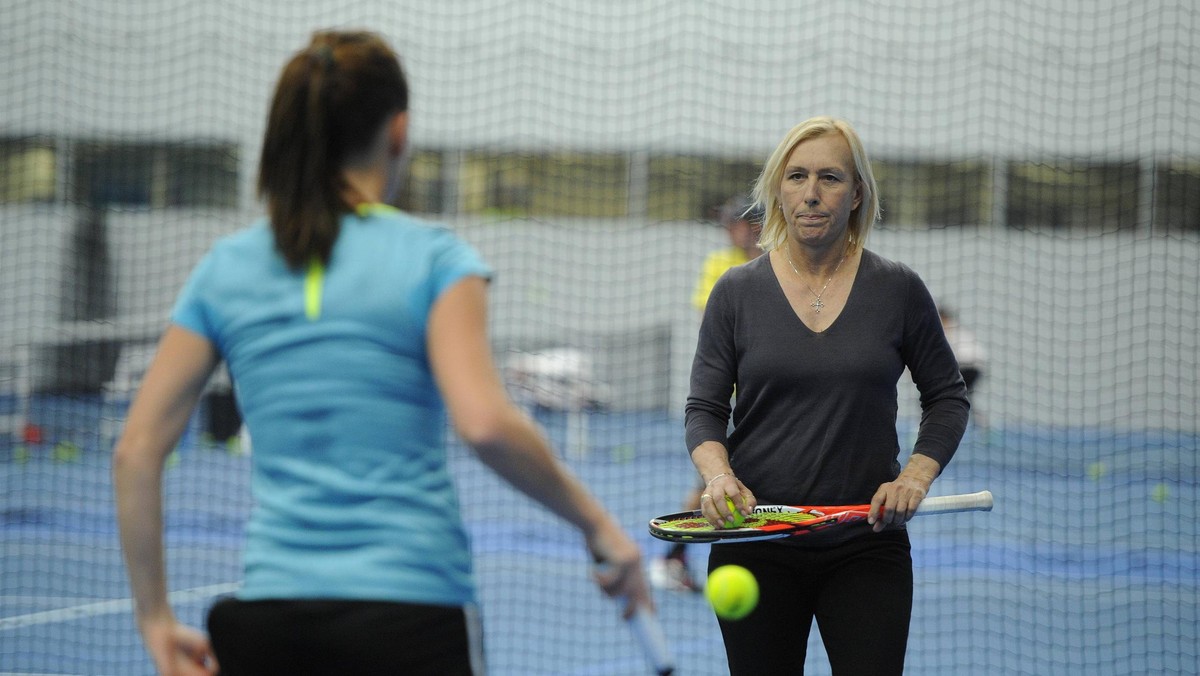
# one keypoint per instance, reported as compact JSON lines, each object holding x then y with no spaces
{"x":815,"y":418}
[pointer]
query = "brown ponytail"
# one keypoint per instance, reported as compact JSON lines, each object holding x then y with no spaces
{"x":329,"y":104}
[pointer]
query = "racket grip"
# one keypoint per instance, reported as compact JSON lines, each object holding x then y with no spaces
{"x":649,"y":633}
{"x":650,"y":636}
{"x":966,"y":502}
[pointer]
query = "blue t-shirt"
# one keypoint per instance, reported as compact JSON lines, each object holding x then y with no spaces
{"x":353,"y":498}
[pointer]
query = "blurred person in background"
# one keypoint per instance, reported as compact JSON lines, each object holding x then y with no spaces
{"x":742,"y":222}
{"x":972,"y":359}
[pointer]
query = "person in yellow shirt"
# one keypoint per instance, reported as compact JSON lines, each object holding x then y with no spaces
{"x":743,"y":223}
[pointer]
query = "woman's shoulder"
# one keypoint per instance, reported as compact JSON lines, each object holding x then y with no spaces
{"x":752,"y":269}
{"x":249,"y":240}
{"x":406,"y":226}
{"x":397,"y":234}
{"x":388,"y":216}
{"x":886,"y":267}
{"x":747,"y":274}
{"x":896,"y":282}
{"x":743,"y":283}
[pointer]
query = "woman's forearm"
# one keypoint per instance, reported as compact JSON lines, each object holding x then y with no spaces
{"x":138,"y":483}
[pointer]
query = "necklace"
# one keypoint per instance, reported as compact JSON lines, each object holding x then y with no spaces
{"x":816,"y":305}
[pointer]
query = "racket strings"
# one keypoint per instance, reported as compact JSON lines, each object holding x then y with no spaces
{"x":754,"y":521}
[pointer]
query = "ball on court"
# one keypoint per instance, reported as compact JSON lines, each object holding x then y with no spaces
{"x":1096,"y":470}
{"x":1160,"y":493}
{"x":738,"y":518}
{"x":732,"y":591}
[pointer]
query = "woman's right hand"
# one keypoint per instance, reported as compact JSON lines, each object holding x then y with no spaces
{"x":713,"y":500}
{"x":618,"y":569}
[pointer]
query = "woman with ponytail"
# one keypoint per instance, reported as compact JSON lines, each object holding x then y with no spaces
{"x":351,"y":331}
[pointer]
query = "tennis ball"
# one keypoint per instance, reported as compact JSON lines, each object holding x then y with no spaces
{"x":65,"y":451}
{"x":1096,"y":470}
{"x":1160,"y":493}
{"x":623,"y":453}
{"x":738,"y":518}
{"x":732,"y":591}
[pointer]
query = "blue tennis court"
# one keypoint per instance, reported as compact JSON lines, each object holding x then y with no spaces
{"x":1087,"y":566}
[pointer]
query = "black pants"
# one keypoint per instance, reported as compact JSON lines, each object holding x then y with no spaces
{"x":257,"y":638}
{"x":860,"y":594}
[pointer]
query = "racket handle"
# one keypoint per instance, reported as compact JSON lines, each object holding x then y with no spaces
{"x":966,"y":502}
{"x":649,"y":633}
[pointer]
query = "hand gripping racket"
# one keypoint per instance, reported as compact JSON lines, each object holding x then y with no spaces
{"x":769,"y":522}
{"x":650,"y":637}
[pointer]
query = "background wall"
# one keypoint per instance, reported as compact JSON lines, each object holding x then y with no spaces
{"x":948,"y":78}
{"x":1077,"y":327}
{"x":1104,"y":322}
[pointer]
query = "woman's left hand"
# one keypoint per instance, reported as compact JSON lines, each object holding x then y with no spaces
{"x":177,"y":649}
{"x":895,"y":502}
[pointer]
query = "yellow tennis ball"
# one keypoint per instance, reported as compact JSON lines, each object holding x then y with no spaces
{"x":738,"y":518}
{"x":732,"y":591}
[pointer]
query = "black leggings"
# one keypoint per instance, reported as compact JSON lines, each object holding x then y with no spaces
{"x":256,"y":638}
{"x":860,"y":594}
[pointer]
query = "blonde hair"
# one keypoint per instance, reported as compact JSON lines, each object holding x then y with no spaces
{"x":766,"y":188}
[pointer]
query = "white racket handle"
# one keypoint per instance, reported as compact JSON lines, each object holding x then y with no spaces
{"x":965,"y":502}
{"x":649,"y":633}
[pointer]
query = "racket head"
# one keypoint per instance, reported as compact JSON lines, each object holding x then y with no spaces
{"x":766,"y":522}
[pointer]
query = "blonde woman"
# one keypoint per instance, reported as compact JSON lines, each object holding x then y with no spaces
{"x":815,"y":335}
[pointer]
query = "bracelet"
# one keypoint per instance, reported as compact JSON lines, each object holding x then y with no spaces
{"x":729,"y":474}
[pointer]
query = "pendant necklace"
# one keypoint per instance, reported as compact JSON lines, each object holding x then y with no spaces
{"x":816,"y":305}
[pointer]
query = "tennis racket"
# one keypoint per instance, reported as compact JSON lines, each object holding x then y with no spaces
{"x":650,"y":637}
{"x":769,"y":522}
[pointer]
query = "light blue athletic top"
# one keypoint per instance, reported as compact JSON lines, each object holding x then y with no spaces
{"x":353,"y":499}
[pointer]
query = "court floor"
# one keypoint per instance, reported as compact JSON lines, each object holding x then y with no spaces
{"x":1088,"y":565}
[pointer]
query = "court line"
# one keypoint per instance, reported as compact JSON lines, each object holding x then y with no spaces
{"x":89,"y":610}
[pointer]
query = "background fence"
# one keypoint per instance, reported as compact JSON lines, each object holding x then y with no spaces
{"x":1039,"y":167}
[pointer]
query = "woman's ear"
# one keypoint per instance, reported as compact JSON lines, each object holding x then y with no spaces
{"x":398,"y":133}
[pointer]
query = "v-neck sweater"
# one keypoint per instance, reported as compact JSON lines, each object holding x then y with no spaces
{"x":814,"y":420}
